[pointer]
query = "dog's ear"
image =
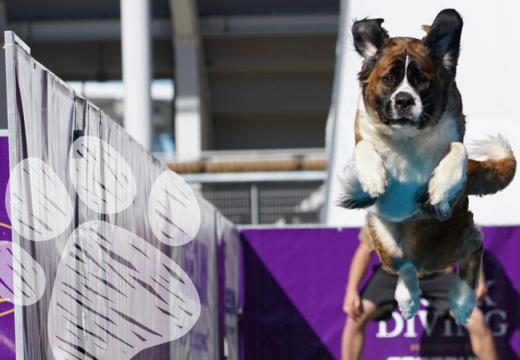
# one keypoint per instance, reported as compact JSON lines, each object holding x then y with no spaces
{"x":443,"y":38}
{"x":369,"y":37}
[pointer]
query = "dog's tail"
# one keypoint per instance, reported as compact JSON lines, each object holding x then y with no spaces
{"x":352,"y":194}
{"x":493,"y":174}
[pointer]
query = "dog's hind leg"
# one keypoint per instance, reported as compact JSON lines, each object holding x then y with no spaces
{"x":462,"y":294}
{"x":385,"y":236}
{"x":407,"y":291}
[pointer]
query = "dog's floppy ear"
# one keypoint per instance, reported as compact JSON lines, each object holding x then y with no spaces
{"x":369,"y":36}
{"x":443,"y":38}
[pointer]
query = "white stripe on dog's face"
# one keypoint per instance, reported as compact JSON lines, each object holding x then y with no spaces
{"x":405,"y":87}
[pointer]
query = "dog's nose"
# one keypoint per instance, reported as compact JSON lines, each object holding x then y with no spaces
{"x":403,"y":100}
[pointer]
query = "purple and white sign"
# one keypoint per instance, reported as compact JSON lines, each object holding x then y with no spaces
{"x":229,"y":287}
{"x":199,"y":260}
{"x":294,"y":285}
{"x":7,"y":336}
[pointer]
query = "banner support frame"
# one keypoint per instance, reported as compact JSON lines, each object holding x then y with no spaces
{"x":11,"y":40}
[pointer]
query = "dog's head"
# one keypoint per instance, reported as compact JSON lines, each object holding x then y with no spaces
{"x":405,"y":81}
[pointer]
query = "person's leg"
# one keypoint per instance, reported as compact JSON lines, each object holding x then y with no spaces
{"x":353,"y":338}
{"x":482,"y":341}
{"x":435,"y":289}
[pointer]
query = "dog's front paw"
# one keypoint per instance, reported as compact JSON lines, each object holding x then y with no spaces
{"x":462,"y":301}
{"x":447,"y":183}
{"x":370,"y":169}
{"x":373,"y":177}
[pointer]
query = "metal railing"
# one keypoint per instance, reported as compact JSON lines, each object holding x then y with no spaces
{"x":264,"y":197}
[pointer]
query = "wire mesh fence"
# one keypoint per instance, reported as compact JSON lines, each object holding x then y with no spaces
{"x":295,"y":202}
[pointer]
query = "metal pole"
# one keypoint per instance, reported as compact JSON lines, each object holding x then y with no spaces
{"x":137,"y":69}
{"x":3,"y":94}
{"x":12,"y":41}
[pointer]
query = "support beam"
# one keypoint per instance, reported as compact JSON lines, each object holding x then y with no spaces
{"x":3,"y":94}
{"x":137,"y":66}
{"x":191,"y":106}
{"x":188,"y":112}
{"x":254,"y":177}
{"x":210,"y":26}
{"x":302,"y":24}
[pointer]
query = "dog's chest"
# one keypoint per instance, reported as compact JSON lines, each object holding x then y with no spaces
{"x":410,"y":162}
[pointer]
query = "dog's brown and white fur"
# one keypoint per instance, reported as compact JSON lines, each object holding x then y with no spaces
{"x":410,"y":169}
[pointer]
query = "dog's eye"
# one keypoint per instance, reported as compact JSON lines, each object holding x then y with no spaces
{"x":422,"y":81}
{"x":388,"y":79}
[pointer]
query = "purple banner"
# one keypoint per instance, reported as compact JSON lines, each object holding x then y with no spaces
{"x":7,"y":339}
{"x":294,"y":284}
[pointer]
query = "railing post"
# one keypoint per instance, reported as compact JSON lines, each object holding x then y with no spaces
{"x":254,"y":204}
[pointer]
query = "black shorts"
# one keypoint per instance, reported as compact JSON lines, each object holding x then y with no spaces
{"x":380,"y":290}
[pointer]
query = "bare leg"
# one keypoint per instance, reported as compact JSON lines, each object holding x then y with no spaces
{"x":463,"y":296}
{"x":407,"y":291}
{"x":353,"y":338}
{"x":481,"y":339}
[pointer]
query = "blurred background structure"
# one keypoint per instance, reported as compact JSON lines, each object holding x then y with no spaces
{"x":240,"y":90}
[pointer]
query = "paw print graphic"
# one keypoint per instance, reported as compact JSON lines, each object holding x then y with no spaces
{"x":114,"y":293}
